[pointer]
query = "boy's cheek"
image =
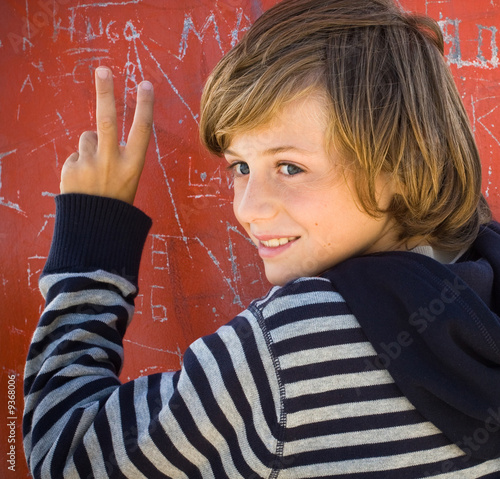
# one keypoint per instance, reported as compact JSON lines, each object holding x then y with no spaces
{"x":238,"y":193}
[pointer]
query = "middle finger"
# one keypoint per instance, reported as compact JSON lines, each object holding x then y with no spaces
{"x":107,"y":131}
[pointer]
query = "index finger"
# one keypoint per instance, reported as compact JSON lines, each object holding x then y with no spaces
{"x":107,"y":130}
{"x":140,"y":131}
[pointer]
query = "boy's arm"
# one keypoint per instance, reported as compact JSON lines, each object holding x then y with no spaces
{"x":205,"y":420}
{"x":79,"y":420}
{"x":89,"y":283}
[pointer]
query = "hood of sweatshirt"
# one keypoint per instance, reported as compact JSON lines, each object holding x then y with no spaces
{"x":436,"y":329}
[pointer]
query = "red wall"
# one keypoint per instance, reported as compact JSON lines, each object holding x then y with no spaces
{"x":198,"y":270}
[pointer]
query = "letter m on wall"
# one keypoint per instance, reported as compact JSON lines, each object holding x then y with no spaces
{"x":189,"y":27}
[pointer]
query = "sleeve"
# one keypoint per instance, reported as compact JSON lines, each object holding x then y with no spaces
{"x":217,"y":417}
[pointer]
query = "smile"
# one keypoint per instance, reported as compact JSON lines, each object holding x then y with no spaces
{"x":275,"y":242}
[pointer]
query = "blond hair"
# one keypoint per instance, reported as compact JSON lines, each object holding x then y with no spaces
{"x":392,"y":102}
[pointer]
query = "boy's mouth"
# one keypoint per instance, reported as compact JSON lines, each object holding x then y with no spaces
{"x":275,"y":242}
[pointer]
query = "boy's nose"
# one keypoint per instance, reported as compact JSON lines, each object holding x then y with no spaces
{"x":256,"y":200}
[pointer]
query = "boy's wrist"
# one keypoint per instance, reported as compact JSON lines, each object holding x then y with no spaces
{"x":93,"y":232}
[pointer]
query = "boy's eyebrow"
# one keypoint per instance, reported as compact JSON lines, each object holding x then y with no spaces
{"x":273,"y":151}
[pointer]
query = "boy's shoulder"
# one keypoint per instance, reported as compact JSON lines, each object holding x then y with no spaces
{"x":301,"y":300}
{"x":296,"y":291}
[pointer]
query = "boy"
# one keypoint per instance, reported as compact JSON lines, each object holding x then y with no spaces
{"x":356,"y":175}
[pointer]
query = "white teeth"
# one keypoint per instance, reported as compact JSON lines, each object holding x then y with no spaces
{"x":275,"y":242}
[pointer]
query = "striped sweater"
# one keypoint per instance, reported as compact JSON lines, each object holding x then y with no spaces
{"x":283,"y":390}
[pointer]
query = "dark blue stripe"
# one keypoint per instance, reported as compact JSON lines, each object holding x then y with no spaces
{"x":236,"y":391}
{"x":113,"y":363}
{"x":59,"y":409}
{"x":94,"y":326}
{"x":297,"y":286}
{"x":321,"y":339}
{"x":305,"y":312}
{"x":412,"y":472}
{"x":64,"y":442}
{"x":355,"y":424}
{"x":325,"y":369}
{"x":82,"y":461}
{"x":378,"y":451}
{"x":77,"y":284}
{"x":167,"y":446}
{"x":342,"y":396}
{"x":253,"y":358}
{"x":130,"y":432}
{"x":104,"y":438}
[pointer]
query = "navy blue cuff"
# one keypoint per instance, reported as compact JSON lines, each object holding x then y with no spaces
{"x":94,"y":232}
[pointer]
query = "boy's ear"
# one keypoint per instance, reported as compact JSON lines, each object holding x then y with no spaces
{"x":388,"y":185}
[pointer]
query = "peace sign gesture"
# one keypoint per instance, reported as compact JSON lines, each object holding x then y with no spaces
{"x":101,"y":167}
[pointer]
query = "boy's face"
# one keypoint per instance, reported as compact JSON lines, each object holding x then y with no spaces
{"x":293,"y":199}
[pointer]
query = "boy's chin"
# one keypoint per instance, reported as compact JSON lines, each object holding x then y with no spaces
{"x":280,"y":277}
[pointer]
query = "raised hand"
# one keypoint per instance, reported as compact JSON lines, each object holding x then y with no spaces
{"x":101,"y":166}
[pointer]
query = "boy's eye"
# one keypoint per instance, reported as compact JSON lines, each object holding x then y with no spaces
{"x":290,"y":170}
{"x":240,"y":168}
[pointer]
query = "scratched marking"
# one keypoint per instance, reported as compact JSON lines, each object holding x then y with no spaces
{"x":197,"y":197}
{"x":233,"y":259}
{"x":28,"y":27}
{"x":105,"y":4}
{"x":169,"y":189}
{"x":87,"y":64}
{"x":215,"y":178}
{"x":132,"y":35}
{"x":129,"y":78}
{"x":210,"y":21}
{"x":177,"y":353}
{"x":159,"y":257}
{"x":235,"y":33}
{"x":451,"y":35}
{"x":38,"y":66}
{"x":3,"y":201}
{"x":27,"y":81}
{"x":71,"y":29}
{"x":493,"y":46}
{"x":479,"y":120}
{"x":66,"y":130}
{"x":49,"y":216}
{"x":229,"y":281}
{"x":487,"y":191}
{"x":36,"y":272}
{"x":169,"y":81}
{"x":78,"y":51}
{"x":189,"y":27}
{"x":15,"y":330}
{"x":433,"y":2}
{"x":131,"y":82}
{"x":158,"y":311}
{"x":162,"y":254}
